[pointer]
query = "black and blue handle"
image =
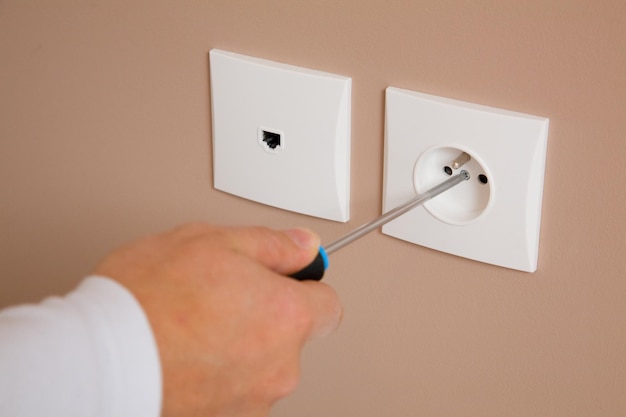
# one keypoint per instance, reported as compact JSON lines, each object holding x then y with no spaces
{"x":315,"y":270}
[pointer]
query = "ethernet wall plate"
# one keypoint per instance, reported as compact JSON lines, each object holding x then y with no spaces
{"x":281,"y":134}
{"x":495,"y":216}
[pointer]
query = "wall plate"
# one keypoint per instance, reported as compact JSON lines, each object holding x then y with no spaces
{"x":281,"y":134}
{"x":495,"y":216}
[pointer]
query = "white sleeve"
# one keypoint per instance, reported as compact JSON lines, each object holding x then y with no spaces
{"x":89,"y":354}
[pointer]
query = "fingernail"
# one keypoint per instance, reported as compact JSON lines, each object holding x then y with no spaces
{"x":330,"y":326}
{"x":302,"y":237}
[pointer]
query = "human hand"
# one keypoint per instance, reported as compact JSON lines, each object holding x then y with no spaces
{"x":229,"y":325}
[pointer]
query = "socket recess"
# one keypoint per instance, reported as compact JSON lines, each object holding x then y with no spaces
{"x":460,"y":205}
{"x":281,"y":134}
{"x":495,"y":216}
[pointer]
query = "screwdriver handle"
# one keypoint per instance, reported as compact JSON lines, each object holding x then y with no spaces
{"x":315,"y":270}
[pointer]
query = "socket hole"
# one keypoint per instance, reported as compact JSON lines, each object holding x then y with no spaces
{"x":271,"y":139}
{"x":447,"y":170}
{"x":483,"y":179}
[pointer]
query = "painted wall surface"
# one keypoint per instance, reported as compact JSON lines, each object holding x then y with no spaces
{"x":105,"y":135}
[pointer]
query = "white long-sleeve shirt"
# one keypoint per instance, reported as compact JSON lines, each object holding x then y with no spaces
{"x":88,"y":354}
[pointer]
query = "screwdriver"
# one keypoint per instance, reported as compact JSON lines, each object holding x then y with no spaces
{"x":315,"y":270}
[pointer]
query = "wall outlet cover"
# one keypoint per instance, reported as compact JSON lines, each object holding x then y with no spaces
{"x":495,"y":216}
{"x":281,"y":134}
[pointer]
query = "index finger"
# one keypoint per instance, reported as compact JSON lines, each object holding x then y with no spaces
{"x":325,"y":307}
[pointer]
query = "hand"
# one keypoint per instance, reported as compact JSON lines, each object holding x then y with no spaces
{"x":228,"y":323}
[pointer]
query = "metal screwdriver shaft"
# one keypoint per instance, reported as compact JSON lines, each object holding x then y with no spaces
{"x":396,"y":212}
{"x":315,"y":270}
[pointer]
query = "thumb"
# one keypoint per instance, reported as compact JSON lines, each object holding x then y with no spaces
{"x":283,"y":252}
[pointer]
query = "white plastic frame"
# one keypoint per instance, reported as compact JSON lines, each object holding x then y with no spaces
{"x":511,"y":146}
{"x":310,"y":172}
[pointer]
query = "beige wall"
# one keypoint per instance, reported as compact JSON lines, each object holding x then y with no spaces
{"x":105,"y":135}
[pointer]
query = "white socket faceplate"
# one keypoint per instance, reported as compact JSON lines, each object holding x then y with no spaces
{"x":496,"y":220}
{"x":281,"y":134}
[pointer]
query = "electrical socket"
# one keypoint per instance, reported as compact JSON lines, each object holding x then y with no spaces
{"x":495,"y":216}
